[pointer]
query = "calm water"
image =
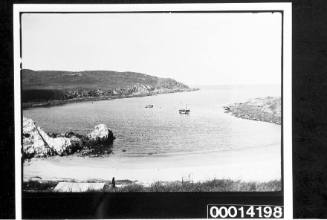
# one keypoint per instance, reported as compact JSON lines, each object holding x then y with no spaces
{"x":162,"y":130}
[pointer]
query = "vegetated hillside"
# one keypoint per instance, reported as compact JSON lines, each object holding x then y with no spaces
{"x":91,"y":80}
{"x":266,"y":109}
{"x":41,"y":86}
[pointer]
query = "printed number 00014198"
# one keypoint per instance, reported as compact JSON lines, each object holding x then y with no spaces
{"x":244,"y":211}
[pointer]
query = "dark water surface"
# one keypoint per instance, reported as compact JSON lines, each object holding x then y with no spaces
{"x":161,"y":130}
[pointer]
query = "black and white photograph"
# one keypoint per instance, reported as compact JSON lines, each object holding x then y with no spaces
{"x":151,"y":102}
{"x":160,"y":101}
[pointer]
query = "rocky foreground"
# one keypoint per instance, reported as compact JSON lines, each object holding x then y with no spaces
{"x":38,"y":143}
{"x":267,"y":109}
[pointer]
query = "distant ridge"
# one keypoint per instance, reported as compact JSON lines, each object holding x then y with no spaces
{"x":46,"y":79}
{"x":45,"y":87}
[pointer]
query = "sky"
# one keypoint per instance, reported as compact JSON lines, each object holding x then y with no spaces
{"x":193,"y":48}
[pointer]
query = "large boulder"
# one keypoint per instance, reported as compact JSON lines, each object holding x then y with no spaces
{"x":37,"y":143}
{"x":33,"y":142}
{"x":59,"y":144}
{"x":101,"y":134}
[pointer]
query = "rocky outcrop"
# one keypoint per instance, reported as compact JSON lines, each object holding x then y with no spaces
{"x":33,"y":142}
{"x":266,"y":109}
{"x":138,"y":89}
{"x":101,"y":134}
{"x":37,"y":143}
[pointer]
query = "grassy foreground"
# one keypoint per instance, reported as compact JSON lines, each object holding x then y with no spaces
{"x":223,"y":185}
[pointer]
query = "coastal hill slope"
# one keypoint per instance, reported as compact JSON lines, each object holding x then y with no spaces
{"x":92,"y":80}
{"x":44,"y":87}
{"x":266,"y":109}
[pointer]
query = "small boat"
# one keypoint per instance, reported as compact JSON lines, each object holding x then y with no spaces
{"x":149,"y":106}
{"x":184,"y":111}
{"x":226,"y":109}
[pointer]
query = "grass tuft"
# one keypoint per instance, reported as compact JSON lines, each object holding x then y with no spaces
{"x":216,"y":185}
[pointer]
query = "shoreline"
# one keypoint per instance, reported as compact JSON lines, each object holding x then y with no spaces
{"x":253,"y":164}
{"x":29,"y":105}
{"x":267,"y":109}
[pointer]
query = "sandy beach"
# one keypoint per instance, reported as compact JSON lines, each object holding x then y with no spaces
{"x":253,"y":164}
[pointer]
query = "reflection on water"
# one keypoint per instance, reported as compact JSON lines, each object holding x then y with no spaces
{"x":161,"y":130}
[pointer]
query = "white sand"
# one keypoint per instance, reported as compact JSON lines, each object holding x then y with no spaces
{"x":255,"y":164}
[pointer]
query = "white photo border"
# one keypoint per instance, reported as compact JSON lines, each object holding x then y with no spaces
{"x":285,"y":8}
